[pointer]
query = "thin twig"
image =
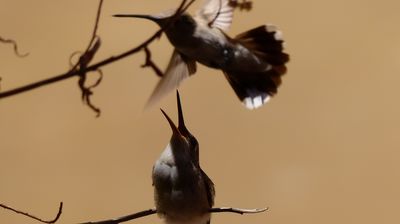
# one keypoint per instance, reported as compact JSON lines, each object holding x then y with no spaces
{"x":14,"y":43}
{"x":238,"y":210}
{"x":125,"y":218}
{"x":217,"y":14}
{"x":96,"y":25}
{"x":150,"y":63}
{"x":84,"y":61}
{"x":34,"y":217}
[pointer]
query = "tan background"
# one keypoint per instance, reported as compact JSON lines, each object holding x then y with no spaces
{"x":325,"y":150}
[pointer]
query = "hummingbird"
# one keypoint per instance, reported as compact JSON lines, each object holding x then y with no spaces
{"x":183,"y":192}
{"x":252,"y":62}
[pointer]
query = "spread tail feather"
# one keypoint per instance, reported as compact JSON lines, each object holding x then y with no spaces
{"x":255,"y":89}
{"x":266,"y":43}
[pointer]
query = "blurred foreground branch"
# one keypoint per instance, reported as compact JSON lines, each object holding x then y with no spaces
{"x":34,"y":217}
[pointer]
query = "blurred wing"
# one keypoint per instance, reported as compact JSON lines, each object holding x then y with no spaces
{"x":179,"y":68}
{"x":216,"y":13}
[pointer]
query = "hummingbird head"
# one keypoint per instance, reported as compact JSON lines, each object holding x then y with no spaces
{"x":181,"y":137}
{"x":183,"y":23}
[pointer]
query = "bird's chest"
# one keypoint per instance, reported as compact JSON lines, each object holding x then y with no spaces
{"x":165,"y":171}
{"x":177,"y":191}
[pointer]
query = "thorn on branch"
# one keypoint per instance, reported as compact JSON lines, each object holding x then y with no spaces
{"x":150,"y":63}
{"x":242,"y":5}
{"x":14,"y":43}
{"x":34,"y":217}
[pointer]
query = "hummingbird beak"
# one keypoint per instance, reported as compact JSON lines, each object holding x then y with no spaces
{"x":175,"y":130}
{"x":181,"y":125}
{"x":149,"y":17}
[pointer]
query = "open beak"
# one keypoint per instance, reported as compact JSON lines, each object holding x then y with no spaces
{"x":181,"y":125}
{"x":175,"y":130}
{"x":181,"y":129}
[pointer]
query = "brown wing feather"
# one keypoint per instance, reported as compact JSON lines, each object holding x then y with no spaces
{"x":210,"y":190}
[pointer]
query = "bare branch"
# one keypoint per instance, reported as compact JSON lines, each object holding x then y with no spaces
{"x":150,"y":63}
{"x":154,"y":211}
{"x":238,"y":210}
{"x":34,"y":217}
{"x":14,"y":43}
{"x":96,"y":25}
{"x":126,"y":218}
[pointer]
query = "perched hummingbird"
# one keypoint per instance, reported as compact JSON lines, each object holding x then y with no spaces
{"x":253,"y":62}
{"x":183,"y":193}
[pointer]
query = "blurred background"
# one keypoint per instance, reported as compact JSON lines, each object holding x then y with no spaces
{"x":324,"y":150}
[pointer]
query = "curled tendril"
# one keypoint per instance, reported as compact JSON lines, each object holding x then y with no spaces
{"x":81,"y":67}
{"x":14,"y":43}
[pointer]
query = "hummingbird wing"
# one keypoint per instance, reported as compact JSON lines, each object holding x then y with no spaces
{"x":216,"y":13}
{"x":178,"y":69}
{"x":255,"y":88}
{"x":210,"y":190}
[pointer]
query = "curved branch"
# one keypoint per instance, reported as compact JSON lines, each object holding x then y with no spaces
{"x":34,"y":217}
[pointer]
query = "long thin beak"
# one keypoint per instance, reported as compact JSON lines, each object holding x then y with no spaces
{"x":175,"y":130}
{"x":149,"y":17}
{"x":181,"y":125}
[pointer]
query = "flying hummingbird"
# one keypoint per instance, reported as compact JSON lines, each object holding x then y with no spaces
{"x":183,"y":192}
{"x":253,"y":62}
